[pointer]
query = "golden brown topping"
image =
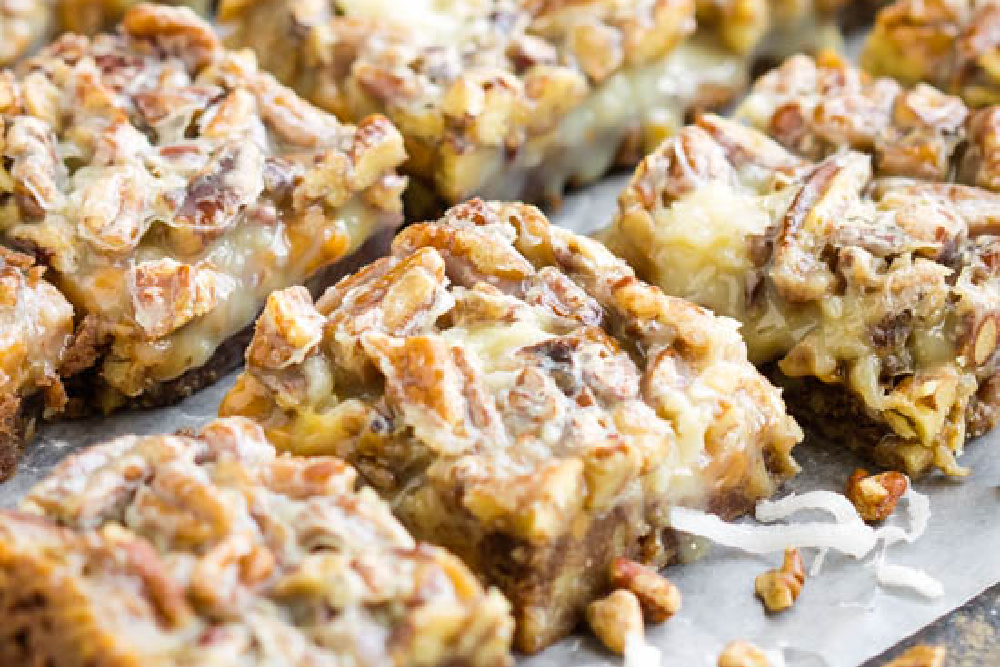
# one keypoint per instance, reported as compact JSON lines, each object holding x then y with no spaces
{"x":742,"y":654}
{"x":172,"y":544}
{"x":172,"y":186}
{"x":616,"y":620}
{"x":876,"y":496}
{"x":920,"y":656}
{"x":779,"y":589}
{"x":880,"y":288}
{"x":504,"y":380}
{"x":658,"y":597}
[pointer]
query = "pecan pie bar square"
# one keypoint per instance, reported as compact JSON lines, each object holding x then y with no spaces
{"x":170,"y":186}
{"x":876,"y":301}
{"x":523,"y":400}
{"x":36,"y":327}
{"x":504,"y":99}
{"x":213,"y":551}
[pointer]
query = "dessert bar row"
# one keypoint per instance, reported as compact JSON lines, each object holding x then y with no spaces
{"x":532,"y":400}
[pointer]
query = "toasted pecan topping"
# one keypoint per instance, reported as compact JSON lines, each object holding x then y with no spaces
{"x":883,"y":286}
{"x":192,"y":547}
{"x":172,"y":186}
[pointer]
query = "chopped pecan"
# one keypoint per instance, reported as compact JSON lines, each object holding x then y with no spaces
{"x":166,"y":294}
{"x":177,"y":30}
{"x":876,"y":496}
{"x":658,"y":597}
{"x":742,"y":654}
{"x":779,"y":589}
{"x":287,"y":331}
{"x":616,"y":619}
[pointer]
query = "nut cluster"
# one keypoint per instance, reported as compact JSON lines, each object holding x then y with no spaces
{"x":641,"y":595}
{"x":778,"y":589}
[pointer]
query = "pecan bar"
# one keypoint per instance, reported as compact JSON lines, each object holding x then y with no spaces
{"x":213,"y":551}
{"x":171,"y":186}
{"x":505,"y":99}
{"x":818,"y":107}
{"x":952,"y":44}
{"x":36,"y":326}
{"x":876,"y":300}
{"x":522,"y":400}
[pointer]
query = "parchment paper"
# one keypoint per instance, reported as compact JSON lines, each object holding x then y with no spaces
{"x":842,"y":618}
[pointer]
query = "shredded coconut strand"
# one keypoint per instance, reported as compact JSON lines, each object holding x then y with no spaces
{"x":854,"y":538}
{"x":640,"y":654}
{"x":848,"y":534}
{"x":909,"y":577}
{"x":836,"y":504}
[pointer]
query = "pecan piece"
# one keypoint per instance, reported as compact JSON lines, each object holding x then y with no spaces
{"x":742,"y":654}
{"x":113,"y":210}
{"x":778,"y":589}
{"x":876,"y":496}
{"x":288,"y":330}
{"x":167,"y":295}
{"x":658,"y":597}
{"x":233,"y":178}
{"x":616,"y":619}
{"x":984,"y":343}
{"x":178,"y":31}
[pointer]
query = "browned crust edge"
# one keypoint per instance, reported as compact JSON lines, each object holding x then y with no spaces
{"x":836,"y":415}
{"x":549,"y":585}
{"x":18,"y":418}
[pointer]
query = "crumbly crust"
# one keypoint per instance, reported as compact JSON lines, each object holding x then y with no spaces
{"x":170,"y":186}
{"x":951,"y":44}
{"x":885,"y":289}
{"x":818,"y":107}
{"x":36,"y":327}
{"x":212,"y":550}
{"x":522,"y":399}
{"x":504,"y":99}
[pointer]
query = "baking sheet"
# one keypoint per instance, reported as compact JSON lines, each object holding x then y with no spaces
{"x":842,"y":618}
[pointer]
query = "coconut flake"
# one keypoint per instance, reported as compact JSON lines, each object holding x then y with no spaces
{"x":640,"y":654}
{"x":853,"y":538}
{"x":817,"y":563}
{"x":836,"y":504}
{"x":909,"y":577}
{"x":847,"y":534}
